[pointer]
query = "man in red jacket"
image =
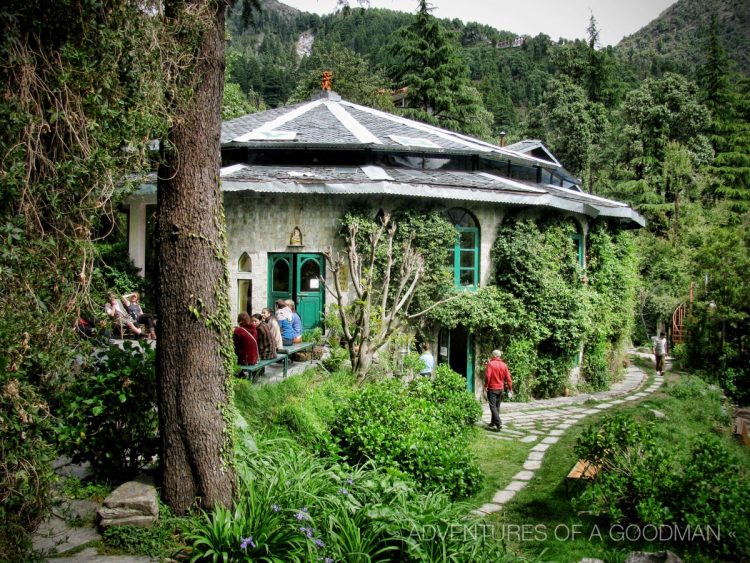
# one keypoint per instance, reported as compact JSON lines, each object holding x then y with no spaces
{"x":496,"y":377}
{"x":245,"y":341}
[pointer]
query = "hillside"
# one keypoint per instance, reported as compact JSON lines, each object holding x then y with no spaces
{"x":675,"y":41}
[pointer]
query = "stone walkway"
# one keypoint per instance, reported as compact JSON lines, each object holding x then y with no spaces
{"x":543,"y":423}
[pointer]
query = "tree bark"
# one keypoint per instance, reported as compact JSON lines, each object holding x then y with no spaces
{"x":193,"y":366}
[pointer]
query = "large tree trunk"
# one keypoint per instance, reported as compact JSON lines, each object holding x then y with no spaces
{"x":193,"y":365}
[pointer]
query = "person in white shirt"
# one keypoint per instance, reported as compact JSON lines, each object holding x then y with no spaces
{"x":428,"y":359}
{"x":660,"y":351}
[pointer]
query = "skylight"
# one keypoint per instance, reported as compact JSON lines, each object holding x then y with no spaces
{"x":268,"y":136}
{"x":414,"y":142}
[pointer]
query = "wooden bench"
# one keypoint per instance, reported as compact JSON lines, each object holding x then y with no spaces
{"x":583,"y":469}
{"x":250,"y":370}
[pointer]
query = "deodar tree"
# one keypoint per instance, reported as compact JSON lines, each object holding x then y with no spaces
{"x":193,"y":358}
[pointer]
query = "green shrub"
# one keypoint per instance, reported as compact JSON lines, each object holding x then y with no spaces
{"x":109,"y":412}
{"x":642,"y":481}
{"x":25,"y":465}
{"x":409,"y":434}
{"x":595,"y":368}
{"x":447,"y":390}
{"x":521,"y":357}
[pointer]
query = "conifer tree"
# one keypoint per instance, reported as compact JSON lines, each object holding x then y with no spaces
{"x":429,"y":64}
{"x":729,"y":102}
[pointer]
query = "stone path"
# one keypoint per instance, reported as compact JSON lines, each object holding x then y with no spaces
{"x":542,"y":423}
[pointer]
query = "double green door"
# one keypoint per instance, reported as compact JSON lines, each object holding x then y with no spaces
{"x":297,"y":277}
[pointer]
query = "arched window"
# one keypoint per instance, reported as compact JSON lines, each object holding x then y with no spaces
{"x":245,"y":264}
{"x":464,"y":255}
{"x":244,"y":284}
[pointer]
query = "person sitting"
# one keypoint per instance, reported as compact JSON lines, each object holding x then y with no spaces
{"x":245,"y":341}
{"x":296,"y":322}
{"x":284,"y":316}
{"x":120,"y":318}
{"x":273,"y":324}
{"x":137,"y":315}
{"x":266,"y":340}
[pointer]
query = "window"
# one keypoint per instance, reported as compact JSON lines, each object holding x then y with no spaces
{"x":244,"y":264}
{"x":244,"y":284}
{"x":464,"y":255}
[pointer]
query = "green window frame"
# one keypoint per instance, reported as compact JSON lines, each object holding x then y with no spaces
{"x":464,"y":255}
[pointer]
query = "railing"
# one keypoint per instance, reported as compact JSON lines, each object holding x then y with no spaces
{"x":679,"y":331}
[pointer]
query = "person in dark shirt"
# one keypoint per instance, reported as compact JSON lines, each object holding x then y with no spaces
{"x":245,"y":341}
{"x":266,"y":340}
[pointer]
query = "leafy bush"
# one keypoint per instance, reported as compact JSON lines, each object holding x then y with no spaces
{"x":595,"y":368}
{"x":411,"y":434}
{"x":447,"y":390}
{"x":521,"y":357}
{"x":643,"y":482}
{"x":110,"y":412}
{"x":25,"y":465}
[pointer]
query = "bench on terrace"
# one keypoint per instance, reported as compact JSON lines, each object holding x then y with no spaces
{"x":295,"y":348}
{"x":250,"y":371}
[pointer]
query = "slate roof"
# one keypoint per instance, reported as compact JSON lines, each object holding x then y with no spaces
{"x":329,"y":122}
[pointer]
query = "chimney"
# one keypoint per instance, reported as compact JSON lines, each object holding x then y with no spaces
{"x":502,"y":138}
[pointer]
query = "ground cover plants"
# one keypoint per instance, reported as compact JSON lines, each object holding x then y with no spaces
{"x":293,"y":506}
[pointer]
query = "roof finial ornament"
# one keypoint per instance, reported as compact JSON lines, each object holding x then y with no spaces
{"x":326,"y":83}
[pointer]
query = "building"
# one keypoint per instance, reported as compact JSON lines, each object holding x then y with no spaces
{"x":290,"y":173}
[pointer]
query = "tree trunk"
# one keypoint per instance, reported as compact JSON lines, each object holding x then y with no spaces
{"x":193,"y":364}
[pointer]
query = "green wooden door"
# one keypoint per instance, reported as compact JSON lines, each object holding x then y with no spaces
{"x":297,"y":277}
{"x":309,"y":289}
{"x":280,"y":272}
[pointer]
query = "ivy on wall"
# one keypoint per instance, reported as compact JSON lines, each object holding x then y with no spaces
{"x":542,"y":308}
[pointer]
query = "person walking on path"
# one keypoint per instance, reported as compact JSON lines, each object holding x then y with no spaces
{"x":496,"y":377}
{"x":660,"y":351}
{"x":427,"y":359}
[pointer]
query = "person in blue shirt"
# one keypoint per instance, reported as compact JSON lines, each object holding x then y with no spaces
{"x":296,"y":322}
{"x":284,"y":316}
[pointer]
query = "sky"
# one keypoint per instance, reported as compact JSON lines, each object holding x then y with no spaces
{"x":557,"y":18}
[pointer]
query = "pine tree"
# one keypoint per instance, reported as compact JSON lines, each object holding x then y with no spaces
{"x":729,"y":102}
{"x":429,"y":64}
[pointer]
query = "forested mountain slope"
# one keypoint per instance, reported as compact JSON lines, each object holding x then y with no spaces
{"x":675,"y":40}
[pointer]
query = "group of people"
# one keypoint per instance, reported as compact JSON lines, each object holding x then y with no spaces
{"x":127,"y":312}
{"x":259,"y":336}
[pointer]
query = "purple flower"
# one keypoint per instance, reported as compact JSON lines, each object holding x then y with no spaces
{"x":247,"y":541}
{"x":275,"y":508}
{"x":309,"y":532}
{"x":350,"y":481}
{"x":328,"y":560}
{"x":343,"y":492}
{"x":319,"y":543}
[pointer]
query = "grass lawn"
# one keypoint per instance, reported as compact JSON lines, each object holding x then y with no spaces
{"x":541,"y":521}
